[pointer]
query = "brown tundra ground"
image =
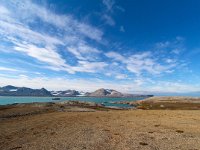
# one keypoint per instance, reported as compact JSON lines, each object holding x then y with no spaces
{"x":93,"y":129}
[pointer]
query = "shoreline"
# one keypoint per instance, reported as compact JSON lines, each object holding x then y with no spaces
{"x":35,"y":108}
{"x":166,"y":102}
{"x":86,"y":125}
{"x":99,"y":100}
{"x":147,"y":103}
{"x":153,"y":103}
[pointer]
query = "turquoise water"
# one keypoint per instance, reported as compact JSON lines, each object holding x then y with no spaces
{"x":4,"y":100}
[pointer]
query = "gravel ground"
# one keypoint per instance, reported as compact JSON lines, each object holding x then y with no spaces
{"x":102,"y":130}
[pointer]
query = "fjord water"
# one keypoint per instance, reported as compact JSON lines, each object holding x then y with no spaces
{"x":4,"y":100}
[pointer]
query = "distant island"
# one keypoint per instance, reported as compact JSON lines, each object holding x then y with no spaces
{"x":10,"y":90}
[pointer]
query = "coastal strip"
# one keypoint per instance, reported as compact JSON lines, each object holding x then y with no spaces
{"x":87,"y":125}
{"x":25,"y":109}
{"x":165,"y":102}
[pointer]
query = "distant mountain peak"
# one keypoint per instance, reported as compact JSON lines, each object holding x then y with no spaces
{"x":106,"y":93}
{"x":10,"y":90}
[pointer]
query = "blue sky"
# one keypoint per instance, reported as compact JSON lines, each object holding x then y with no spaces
{"x":136,"y":46}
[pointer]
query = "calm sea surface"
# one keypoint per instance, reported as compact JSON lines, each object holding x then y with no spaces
{"x":106,"y":101}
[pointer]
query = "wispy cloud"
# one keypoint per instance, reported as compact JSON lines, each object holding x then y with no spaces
{"x":176,"y":87}
{"x":92,"y":67}
{"x":121,"y":76}
{"x":4,"y":10}
{"x":63,"y":83}
{"x":43,"y":54}
{"x":109,"y":4}
{"x":15,"y":28}
{"x":108,"y":12}
{"x":64,"y":22}
{"x":84,"y":52}
{"x":175,"y":46}
{"x":7,"y":69}
{"x":121,"y":29}
{"x":108,"y":20}
{"x":136,"y":86}
{"x":141,"y":62}
{"x":60,"y":42}
{"x":110,"y":7}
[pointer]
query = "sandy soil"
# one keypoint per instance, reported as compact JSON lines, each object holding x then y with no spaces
{"x":102,"y":130}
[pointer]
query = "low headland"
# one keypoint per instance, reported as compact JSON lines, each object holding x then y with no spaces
{"x":166,"y":102}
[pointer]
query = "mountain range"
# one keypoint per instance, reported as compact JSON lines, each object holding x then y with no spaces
{"x":10,"y":90}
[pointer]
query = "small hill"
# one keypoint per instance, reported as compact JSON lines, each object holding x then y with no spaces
{"x":109,"y":93}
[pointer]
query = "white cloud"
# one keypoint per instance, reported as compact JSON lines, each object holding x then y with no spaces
{"x":109,"y":4}
{"x":92,"y":84}
{"x":62,"y":83}
{"x":169,"y":60}
{"x":176,"y":51}
{"x":108,"y":20}
{"x":43,"y":54}
{"x":12,"y":31}
{"x":121,"y":76}
{"x":161,"y":45}
{"x":56,"y":62}
{"x":65,"y":22}
{"x":7,"y":69}
{"x":23,"y":76}
{"x":176,"y":46}
{"x":142,"y":62}
{"x":107,"y":14}
{"x":72,"y":35}
{"x":121,"y":29}
{"x":173,"y":87}
{"x":115,"y":56}
{"x":3,"y":10}
{"x":84,"y":52}
{"x":92,"y":67}
{"x":14,"y":27}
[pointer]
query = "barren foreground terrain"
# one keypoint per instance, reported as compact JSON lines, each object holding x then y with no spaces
{"x":101,"y":130}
